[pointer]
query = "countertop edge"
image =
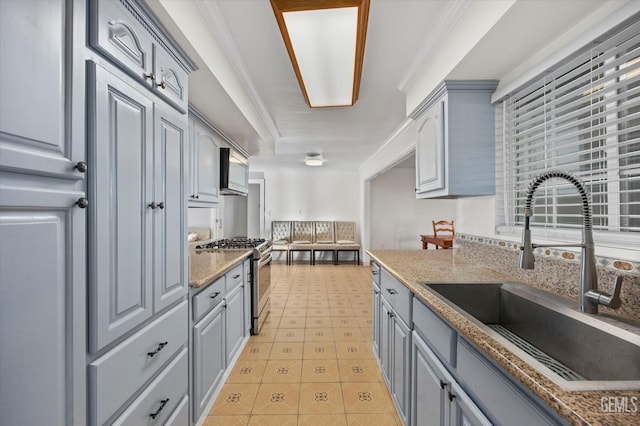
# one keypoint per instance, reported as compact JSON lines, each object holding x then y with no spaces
{"x":221,"y":269}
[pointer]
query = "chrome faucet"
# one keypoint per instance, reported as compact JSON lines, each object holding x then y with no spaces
{"x":590,"y":296}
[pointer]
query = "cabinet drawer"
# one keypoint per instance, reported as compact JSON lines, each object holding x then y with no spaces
{"x":375,"y":273}
{"x":118,"y":374}
{"x":117,"y":34}
{"x":398,"y":296}
{"x":155,"y":405}
{"x":501,"y":399}
{"x":234,"y":277}
{"x":180,"y":416}
{"x":208,"y":298}
{"x":435,"y":331}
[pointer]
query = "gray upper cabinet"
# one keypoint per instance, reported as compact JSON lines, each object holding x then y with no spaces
{"x":204,"y":154}
{"x":455,"y":140}
{"x":121,"y":217}
{"x":170,"y":223}
{"x":41,"y":111}
{"x":122,"y":32}
{"x":42,"y":224}
{"x":138,"y":219}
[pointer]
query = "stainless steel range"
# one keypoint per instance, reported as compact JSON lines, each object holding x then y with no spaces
{"x":260,"y":273}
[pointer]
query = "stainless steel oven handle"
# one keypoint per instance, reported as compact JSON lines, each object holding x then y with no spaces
{"x":263,"y":261}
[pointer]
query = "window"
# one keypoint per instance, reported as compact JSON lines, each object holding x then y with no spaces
{"x":582,"y":117}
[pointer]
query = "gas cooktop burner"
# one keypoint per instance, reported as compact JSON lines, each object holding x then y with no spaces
{"x":233,"y":243}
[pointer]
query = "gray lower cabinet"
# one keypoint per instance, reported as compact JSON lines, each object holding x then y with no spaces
{"x":376,"y":320}
{"x":234,"y":331}
{"x":437,"y":377}
{"x":42,"y":229}
{"x":158,"y":400}
{"x":395,"y":353}
{"x":436,"y":398}
{"x":137,"y":218}
{"x":209,"y":358}
{"x":42,"y":261}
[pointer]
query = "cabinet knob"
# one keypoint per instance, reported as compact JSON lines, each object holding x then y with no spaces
{"x":161,"y":85}
{"x":392,"y":315}
{"x":158,"y":349}
{"x":81,"y":166}
{"x":196,"y":196}
{"x":82,"y":202}
{"x":152,"y":205}
{"x":150,"y":76}
{"x":162,"y":404}
{"x":161,"y":205}
{"x":442,"y":384}
{"x":451,"y":396}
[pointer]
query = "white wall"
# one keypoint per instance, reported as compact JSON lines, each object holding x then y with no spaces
{"x":231,"y":213}
{"x":397,"y":218}
{"x":310,"y":194}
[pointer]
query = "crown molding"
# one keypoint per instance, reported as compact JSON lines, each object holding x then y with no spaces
{"x":434,"y":39}
{"x":197,"y":115}
{"x":219,"y":28}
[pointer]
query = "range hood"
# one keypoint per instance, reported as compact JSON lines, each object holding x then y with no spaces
{"x":234,"y":173}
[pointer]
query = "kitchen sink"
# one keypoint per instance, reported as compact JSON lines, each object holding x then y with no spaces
{"x":577,"y":351}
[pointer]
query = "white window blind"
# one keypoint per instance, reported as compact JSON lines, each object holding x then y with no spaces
{"x":582,"y":117}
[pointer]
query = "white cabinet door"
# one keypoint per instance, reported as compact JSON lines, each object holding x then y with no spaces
{"x":401,"y":353}
{"x":376,"y":320}
{"x":234,"y":331}
{"x":170,"y":78}
{"x":386,"y":327}
{"x":464,"y":411}
{"x":429,"y":382}
{"x":170,"y":151}
{"x":120,"y":194}
{"x":208,"y":357}
{"x":40,"y":110}
{"x":430,"y":164}
{"x":42,"y":305}
{"x":206,"y":163}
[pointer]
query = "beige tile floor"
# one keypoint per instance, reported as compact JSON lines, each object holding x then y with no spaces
{"x":312,"y":363}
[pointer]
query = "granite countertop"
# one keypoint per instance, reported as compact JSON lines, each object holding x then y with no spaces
{"x":413,"y":266}
{"x":207,"y":265}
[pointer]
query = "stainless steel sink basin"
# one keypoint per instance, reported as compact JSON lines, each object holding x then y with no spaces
{"x":577,"y":351}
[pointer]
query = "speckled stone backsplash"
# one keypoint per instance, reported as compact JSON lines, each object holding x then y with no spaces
{"x":556,"y":271}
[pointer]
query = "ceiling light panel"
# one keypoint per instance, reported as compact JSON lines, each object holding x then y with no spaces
{"x":325,"y":41}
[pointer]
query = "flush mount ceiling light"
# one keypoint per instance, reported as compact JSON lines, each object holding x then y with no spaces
{"x":325,"y":40}
{"x":313,"y":159}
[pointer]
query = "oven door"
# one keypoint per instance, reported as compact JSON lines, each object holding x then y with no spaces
{"x":261,"y":291}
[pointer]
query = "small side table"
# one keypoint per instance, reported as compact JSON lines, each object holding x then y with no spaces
{"x":444,"y":242}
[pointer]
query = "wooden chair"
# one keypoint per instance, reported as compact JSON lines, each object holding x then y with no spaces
{"x":444,"y":241}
